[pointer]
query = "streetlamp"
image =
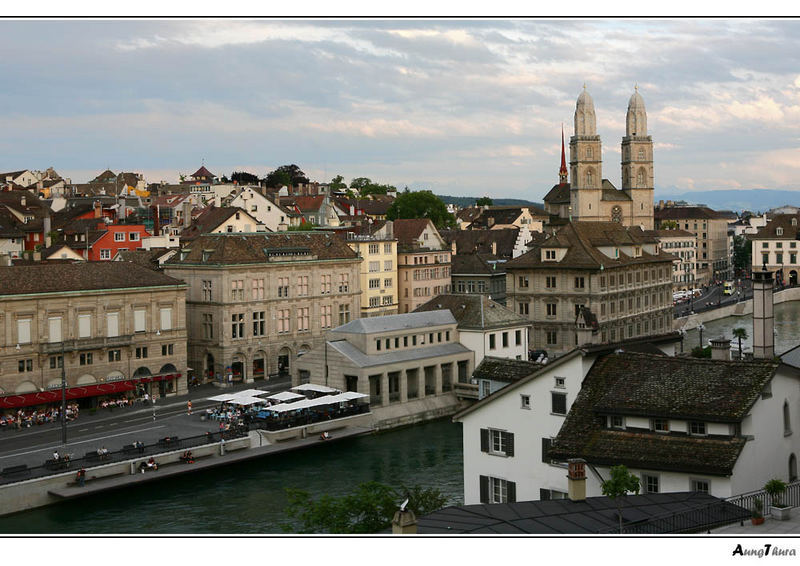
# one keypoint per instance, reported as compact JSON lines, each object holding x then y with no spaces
{"x":63,"y":398}
{"x":700,"y":328}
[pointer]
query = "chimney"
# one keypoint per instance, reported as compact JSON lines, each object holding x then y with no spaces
{"x":121,"y":214}
{"x":494,"y":248}
{"x":217,"y":201}
{"x":576,"y":479}
{"x":404,"y":522}
{"x":763,"y":323}
{"x":46,"y":229}
{"x":721,"y":349}
{"x":98,"y":209}
{"x":23,"y":200}
{"x":156,"y":220}
{"x":453,"y":247}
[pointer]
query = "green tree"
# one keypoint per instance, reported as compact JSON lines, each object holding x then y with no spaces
{"x":366,"y":187}
{"x":338,"y":183}
{"x":244,"y":178}
{"x":669,"y":225}
{"x":421,"y":204}
{"x":698,"y":352}
{"x":285,"y":175}
{"x":741,"y":334}
{"x":621,"y":482}
{"x":742,"y":253}
{"x":360,"y":182}
{"x":368,"y":510}
{"x":484,"y":201}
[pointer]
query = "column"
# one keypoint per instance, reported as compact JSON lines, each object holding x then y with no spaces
{"x":421,"y":382}
{"x":247,"y":365}
{"x":438,"y":373}
{"x":384,"y":389}
{"x":403,"y":379}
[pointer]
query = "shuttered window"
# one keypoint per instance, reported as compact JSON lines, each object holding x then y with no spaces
{"x":497,"y":442}
{"x":497,"y":490}
{"x":24,"y":331}
{"x":112,"y":324}
{"x":166,"y":318}
{"x":138,"y":320}
{"x":54,"y":329}
{"x":545,"y":449}
{"x":84,"y":326}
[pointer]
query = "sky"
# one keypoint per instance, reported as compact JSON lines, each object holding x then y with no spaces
{"x":464,"y":107}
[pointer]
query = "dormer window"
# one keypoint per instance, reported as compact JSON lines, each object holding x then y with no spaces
{"x":794,"y":221}
{"x":659,"y":425}
{"x":697,"y":428}
{"x":550,"y":255}
{"x":616,"y":421}
{"x":779,"y":231}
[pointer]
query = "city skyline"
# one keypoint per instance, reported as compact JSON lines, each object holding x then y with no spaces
{"x":462,"y":107}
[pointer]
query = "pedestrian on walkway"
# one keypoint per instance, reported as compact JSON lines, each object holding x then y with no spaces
{"x":189,"y":407}
{"x":81,"y":477}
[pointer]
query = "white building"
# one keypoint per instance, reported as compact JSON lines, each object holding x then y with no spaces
{"x":268,"y":213}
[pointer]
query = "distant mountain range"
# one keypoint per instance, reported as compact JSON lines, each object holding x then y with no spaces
{"x":754,"y":200}
{"x":464,"y":202}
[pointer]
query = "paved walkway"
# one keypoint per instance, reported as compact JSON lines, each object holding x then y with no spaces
{"x":767,"y":528}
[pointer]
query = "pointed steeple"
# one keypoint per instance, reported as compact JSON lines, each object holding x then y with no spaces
{"x":563,"y":173}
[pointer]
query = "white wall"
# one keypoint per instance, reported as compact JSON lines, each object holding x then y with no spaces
{"x":267,"y":212}
{"x":478,"y":342}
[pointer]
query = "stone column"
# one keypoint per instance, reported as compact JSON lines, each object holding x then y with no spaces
{"x":403,"y":379}
{"x":438,"y":373}
{"x":248,"y":369}
{"x":384,"y":389}
{"x":421,"y":382}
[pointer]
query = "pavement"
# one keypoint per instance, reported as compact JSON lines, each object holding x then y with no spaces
{"x":115,"y":428}
{"x":768,"y":528}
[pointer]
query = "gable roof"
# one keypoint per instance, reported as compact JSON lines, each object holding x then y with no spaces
{"x":396,"y":322}
{"x":782,"y":221}
{"x":687,"y":212}
{"x":559,"y":194}
{"x":408,"y":230}
{"x":504,"y":369}
{"x":638,"y":384}
{"x":468,"y":241}
{"x":612,"y":193}
{"x":203,"y":172}
{"x":476,"y":264}
{"x":212,"y":218}
{"x":474,"y":312}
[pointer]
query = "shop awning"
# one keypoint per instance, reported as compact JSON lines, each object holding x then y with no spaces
{"x":314,"y":387}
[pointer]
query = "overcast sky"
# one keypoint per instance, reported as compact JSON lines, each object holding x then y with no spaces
{"x":461,"y":107}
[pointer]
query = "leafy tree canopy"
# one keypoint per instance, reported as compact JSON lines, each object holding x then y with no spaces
{"x":244,"y":178}
{"x":483,"y":201}
{"x":421,"y":204}
{"x":338,"y":183}
{"x":742,"y":253}
{"x":285,"y":175}
{"x":618,"y":486}
{"x":366,"y":187}
{"x":367,"y":510}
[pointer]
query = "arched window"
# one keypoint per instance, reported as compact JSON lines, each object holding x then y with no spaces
{"x":589,"y":179}
{"x":792,"y":468}
{"x":787,"y":424}
{"x":641,"y":154}
{"x":589,"y":153}
{"x":640,"y":178}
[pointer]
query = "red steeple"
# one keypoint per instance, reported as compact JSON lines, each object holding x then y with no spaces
{"x":563,"y":174}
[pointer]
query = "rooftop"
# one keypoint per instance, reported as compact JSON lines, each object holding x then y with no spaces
{"x":396,"y":322}
{"x":473,"y":312}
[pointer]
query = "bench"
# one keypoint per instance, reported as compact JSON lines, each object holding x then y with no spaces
{"x":170,"y":442}
{"x":54,"y":465}
{"x":15,"y":471}
{"x":92,"y":456}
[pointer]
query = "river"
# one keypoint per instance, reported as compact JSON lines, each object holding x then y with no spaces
{"x":787,"y":329}
{"x":250,"y":497}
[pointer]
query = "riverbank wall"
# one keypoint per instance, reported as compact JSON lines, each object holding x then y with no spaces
{"x":742,"y":308}
{"x":416,"y":411}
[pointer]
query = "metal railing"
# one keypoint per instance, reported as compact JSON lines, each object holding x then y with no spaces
{"x":713,"y":515}
{"x":14,"y":474}
{"x":790,"y":497}
{"x":284,"y":421}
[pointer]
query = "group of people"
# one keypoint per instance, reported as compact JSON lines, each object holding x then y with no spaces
{"x":102,"y":452}
{"x":27,"y":418}
{"x":187,"y":457}
{"x":122,"y":401}
{"x":150,"y":464}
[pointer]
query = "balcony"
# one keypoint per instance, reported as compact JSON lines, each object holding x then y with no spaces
{"x":80,"y":344}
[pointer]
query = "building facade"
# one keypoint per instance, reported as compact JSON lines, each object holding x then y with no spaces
{"x":423,"y":263}
{"x":114,"y":328}
{"x":255,"y":302}
{"x":683,"y":245}
{"x":775,"y":248}
{"x":378,"y":270}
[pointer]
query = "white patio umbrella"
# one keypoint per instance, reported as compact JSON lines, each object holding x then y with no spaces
{"x":286,"y":396}
{"x":314,"y":387}
{"x":225,"y":397}
{"x":250,"y":393}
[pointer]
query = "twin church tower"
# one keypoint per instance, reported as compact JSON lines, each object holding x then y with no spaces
{"x":588,"y":196}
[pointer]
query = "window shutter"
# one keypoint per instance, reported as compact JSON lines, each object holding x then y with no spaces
{"x":138,"y":320}
{"x":484,"y":489}
{"x":24,"y":331}
{"x":545,"y":449}
{"x":84,"y":326}
{"x":544,"y":494}
{"x":112,"y":324}
{"x":511,"y":491}
{"x":484,"y":440}
{"x":55,"y":329}
{"x":166,"y":318}
{"x":509,"y":443}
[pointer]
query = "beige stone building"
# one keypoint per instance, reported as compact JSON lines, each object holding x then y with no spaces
{"x":588,"y":196}
{"x":255,"y":302}
{"x":775,"y":246}
{"x":711,"y":230}
{"x":378,"y":269}
{"x":423,"y":262}
{"x":617,"y":273}
{"x":115,"y":328}
{"x":683,"y":245}
{"x":393,"y":359}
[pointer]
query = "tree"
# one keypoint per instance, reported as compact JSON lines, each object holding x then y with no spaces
{"x":367,"y":510}
{"x":742,"y":253}
{"x":741,"y":334}
{"x":366,"y":187}
{"x":421,"y":204}
{"x":621,"y":482}
{"x":484,"y":201}
{"x":669,"y":225}
{"x":244,"y":178}
{"x":338,"y":183}
{"x":360,"y":182}
{"x":285,"y":175}
{"x":698,"y":352}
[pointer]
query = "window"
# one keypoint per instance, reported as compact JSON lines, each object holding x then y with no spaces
{"x":207,"y":290}
{"x":659,"y":425}
{"x":550,"y":282}
{"x":525,"y":401}
{"x":497,"y":442}
{"x":58,"y":361}
{"x":112,"y":324}
{"x":259,"y":323}
{"x":374,"y":248}
{"x":387,"y":283}
{"x":84,"y":326}
{"x":616,"y":421}
{"x":580,"y":283}
{"x":258,"y":289}
{"x":237,"y":325}
{"x":560,"y":382}
{"x":208,"y":326}
{"x":374,"y":283}
{"x":779,"y":231}
{"x":559,"y":403}
{"x":549,"y":254}
{"x":551,"y":309}
{"x":167,"y":349}
{"x":387,"y":248}
{"x":141,"y":352}
{"x":133,"y":236}
{"x":113,"y":356}
{"x":505,"y":339}
{"x":374,"y":266}
{"x":25,"y":365}
{"x":24,"y":331}
{"x":283,"y":286}
{"x":325,"y":284}
{"x":700,"y":485}
{"x":523,"y":281}
{"x":492,"y":341}
{"x":697,"y":427}
{"x":552,"y":337}
{"x":344,"y":282}
{"x":344,"y":314}
{"x":166,"y":318}
{"x":119,"y":236}
{"x":325,"y":316}
{"x":374,"y":301}
{"x":518,"y":337}
{"x":302,"y":319}
{"x":387,"y":265}
{"x":787,"y":424}
{"x":302,"y":286}
{"x":496,"y":490}
{"x":650,"y":483}
{"x":237,"y":290}
{"x":284,"y":324}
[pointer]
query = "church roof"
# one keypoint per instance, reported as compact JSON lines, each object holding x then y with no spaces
{"x":203,"y":172}
{"x":559,"y":194}
{"x":612,"y":193}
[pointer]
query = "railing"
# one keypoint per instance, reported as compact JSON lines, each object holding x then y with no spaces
{"x":284,"y":421}
{"x":85,"y":344}
{"x":13,"y":474}
{"x":790,"y":497}
{"x":713,"y":515}
{"x":466,"y":390}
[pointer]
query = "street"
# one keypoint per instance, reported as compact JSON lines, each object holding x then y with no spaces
{"x":713,"y":296}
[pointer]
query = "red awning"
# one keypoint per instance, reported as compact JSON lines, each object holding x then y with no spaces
{"x":79,"y":392}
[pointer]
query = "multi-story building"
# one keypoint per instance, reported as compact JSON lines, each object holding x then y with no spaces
{"x":775,"y":247}
{"x":711,"y":230}
{"x":423,"y":262}
{"x":113,"y":328}
{"x":617,"y":273}
{"x":255,"y":302}
{"x":479,"y":273}
{"x":378,"y":270}
{"x":683,"y":245}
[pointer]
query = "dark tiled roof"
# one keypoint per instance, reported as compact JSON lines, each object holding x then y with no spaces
{"x":203,"y":172}
{"x":259,"y":248}
{"x":469,"y":214}
{"x":783,"y":221}
{"x":611,"y":193}
{"x":504,"y":369}
{"x":469,"y":241}
{"x":649,"y":513}
{"x":62,"y":277}
{"x":143,"y":258}
{"x":559,"y":194}
{"x":210,"y":219}
{"x":305,"y":204}
{"x":659,"y":386}
{"x":407,"y":230}
{"x":474,"y":311}
{"x":476,"y":264}
{"x":686,"y":212}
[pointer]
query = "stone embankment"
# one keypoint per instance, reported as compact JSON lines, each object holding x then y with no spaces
{"x":741,"y":308}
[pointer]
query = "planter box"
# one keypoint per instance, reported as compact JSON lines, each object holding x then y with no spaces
{"x":781,"y":513}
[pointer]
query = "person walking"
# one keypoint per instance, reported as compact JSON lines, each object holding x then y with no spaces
{"x":81,"y":477}
{"x":189,"y":407}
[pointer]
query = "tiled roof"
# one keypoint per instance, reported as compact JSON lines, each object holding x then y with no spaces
{"x":474,"y":312}
{"x":396,"y":322}
{"x":210,"y":219}
{"x":476,"y":264}
{"x":686,"y":212}
{"x":559,"y":194}
{"x":611,"y":193}
{"x":203,"y":172}
{"x":582,"y":240}
{"x":360,"y":359}
{"x":468,"y":241}
{"x":222,"y":249}
{"x":782,"y":221}
{"x":63,"y":277}
{"x":407,"y":230}
{"x":143,"y":258}
{"x":661,"y":234}
{"x":504,"y":369}
{"x":305,"y":204}
{"x":659,"y":386}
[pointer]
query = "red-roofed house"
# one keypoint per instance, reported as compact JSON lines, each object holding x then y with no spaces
{"x":423,"y":259}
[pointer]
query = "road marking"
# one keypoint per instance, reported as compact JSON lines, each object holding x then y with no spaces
{"x":80,"y":442}
{"x":100,"y":426}
{"x":82,"y":429}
